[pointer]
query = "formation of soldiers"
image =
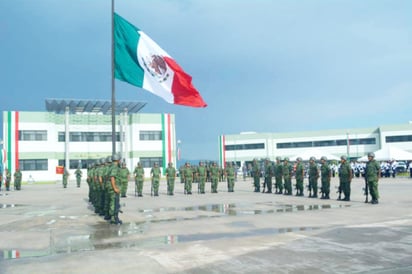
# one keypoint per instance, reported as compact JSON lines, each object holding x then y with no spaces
{"x":105,"y":179}
{"x":282,"y":172}
{"x":7,"y":179}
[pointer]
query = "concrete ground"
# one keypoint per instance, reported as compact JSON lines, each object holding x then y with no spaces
{"x":54,"y":230}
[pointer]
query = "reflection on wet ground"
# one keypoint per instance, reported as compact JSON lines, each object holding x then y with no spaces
{"x":8,"y":205}
{"x":106,"y":236}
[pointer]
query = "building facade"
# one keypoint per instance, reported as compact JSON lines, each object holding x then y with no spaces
{"x":353,"y":143}
{"x":38,"y":142}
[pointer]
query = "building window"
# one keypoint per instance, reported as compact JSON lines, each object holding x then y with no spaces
{"x":148,"y":162}
{"x":324,"y":143}
{"x":82,"y":136}
{"x":150,"y":135}
{"x":75,"y":163}
{"x":245,"y":146}
{"x":33,"y":164}
{"x":32,"y":135}
{"x":399,"y":138}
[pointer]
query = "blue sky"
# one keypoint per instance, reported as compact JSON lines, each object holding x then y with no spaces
{"x":264,"y":66}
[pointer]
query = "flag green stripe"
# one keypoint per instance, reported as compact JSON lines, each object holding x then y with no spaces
{"x":126,"y":38}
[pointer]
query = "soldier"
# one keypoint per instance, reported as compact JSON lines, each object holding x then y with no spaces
{"x":8,"y":179}
{"x":268,"y":176}
{"x":313,"y":178}
{"x":345,"y":178}
{"x":139,"y":178}
{"x":181,"y":172}
{"x":300,"y":175}
{"x":88,"y":180}
{"x":65,"y":177}
{"x":230,"y":175}
{"x":155,"y":174}
{"x":256,"y":175}
{"x":114,"y":190}
{"x":78,"y":173}
{"x":17,"y":179}
{"x":170,"y":178}
{"x":106,"y":187}
{"x":278,"y":170}
{"x":101,"y":172}
{"x":214,"y":173}
{"x":188,"y":177}
{"x":201,"y":174}
{"x":326,"y":174}
{"x":373,"y":172}
{"x":287,"y":173}
{"x":124,"y":177}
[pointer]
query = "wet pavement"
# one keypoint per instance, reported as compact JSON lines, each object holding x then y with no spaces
{"x":48,"y":229}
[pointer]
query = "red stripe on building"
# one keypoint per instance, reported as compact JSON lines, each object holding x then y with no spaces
{"x":224,"y":151}
{"x":16,"y":140}
{"x":169,"y":140}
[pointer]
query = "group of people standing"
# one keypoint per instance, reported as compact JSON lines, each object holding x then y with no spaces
{"x":282,"y":171}
{"x":7,"y":179}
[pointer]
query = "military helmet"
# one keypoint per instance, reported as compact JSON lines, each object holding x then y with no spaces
{"x":102,"y":161}
{"x":115,"y":157}
{"x":108,"y":159}
{"x":371,"y":154}
{"x":312,"y":158}
{"x":299,"y":159}
{"x":286,"y":158}
{"x":324,"y":158}
{"x":278,"y":158}
{"x":343,"y":157}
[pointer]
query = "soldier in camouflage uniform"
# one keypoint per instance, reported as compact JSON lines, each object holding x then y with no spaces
{"x":214,"y":173}
{"x":313,"y":178}
{"x":188,"y":177}
{"x":300,"y":175}
{"x":78,"y":174}
{"x":139,"y":178}
{"x":326,"y":174}
{"x":256,"y":175}
{"x":65,"y":177}
{"x":17,"y":179}
{"x":125,"y":176}
{"x":201,"y":174}
{"x":278,"y":169}
{"x":287,"y":173}
{"x":230,"y":175}
{"x":170,"y":178}
{"x":106,"y":187}
{"x":155,"y":174}
{"x":345,"y":177}
{"x":373,"y":172}
{"x":268,"y":176}
{"x":114,"y":190}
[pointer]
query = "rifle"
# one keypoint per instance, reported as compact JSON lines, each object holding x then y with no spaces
{"x":309,"y":187}
{"x":151,"y":188}
{"x":366,"y":190}
{"x":264,"y":185}
{"x":117,"y":209}
{"x":340,"y":192}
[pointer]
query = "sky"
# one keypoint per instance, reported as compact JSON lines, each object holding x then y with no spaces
{"x":260,"y":65}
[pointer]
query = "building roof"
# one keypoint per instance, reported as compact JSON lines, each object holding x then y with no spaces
{"x":92,"y":106}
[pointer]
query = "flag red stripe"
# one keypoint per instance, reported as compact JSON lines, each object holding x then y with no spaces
{"x":182,"y":88}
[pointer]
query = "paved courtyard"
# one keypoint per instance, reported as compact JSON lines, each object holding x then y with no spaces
{"x":48,"y":229}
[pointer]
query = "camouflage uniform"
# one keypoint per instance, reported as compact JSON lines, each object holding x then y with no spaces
{"x":170,"y":177}
{"x":230,"y":175}
{"x":345,"y":178}
{"x":300,"y":173}
{"x":17,"y":179}
{"x":155,"y":174}
{"x":287,"y":173}
{"x":325,"y":178}
{"x":124,"y":177}
{"x":278,"y":169}
{"x":78,"y":173}
{"x":201,"y":173}
{"x":214,"y":173}
{"x":139,"y":178}
{"x":256,"y":175}
{"x":372,"y":177}
{"x":313,"y":178}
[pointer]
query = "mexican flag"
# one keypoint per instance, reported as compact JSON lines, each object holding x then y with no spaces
{"x":141,"y":62}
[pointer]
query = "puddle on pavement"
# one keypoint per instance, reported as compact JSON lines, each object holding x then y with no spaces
{"x":93,"y":242}
{"x":106,"y":236}
{"x":9,"y":205}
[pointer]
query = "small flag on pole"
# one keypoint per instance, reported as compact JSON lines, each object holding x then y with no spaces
{"x":141,"y":62}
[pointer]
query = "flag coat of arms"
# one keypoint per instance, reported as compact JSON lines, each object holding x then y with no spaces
{"x":141,"y":62}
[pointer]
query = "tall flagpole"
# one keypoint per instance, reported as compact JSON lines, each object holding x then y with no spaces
{"x":113,"y":90}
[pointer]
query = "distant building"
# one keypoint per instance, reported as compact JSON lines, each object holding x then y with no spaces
{"x":354,"y":143}
{"x":75,"y":133}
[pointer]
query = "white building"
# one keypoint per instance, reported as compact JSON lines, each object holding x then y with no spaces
{"x":75,"y":133}
{"x":353,"y":143}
